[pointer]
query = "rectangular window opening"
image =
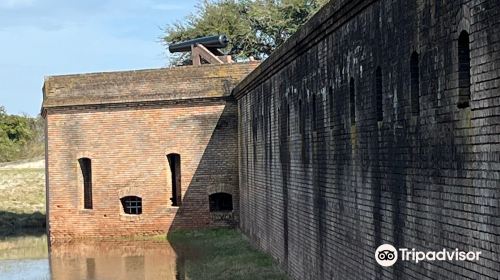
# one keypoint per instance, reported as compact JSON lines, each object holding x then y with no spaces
{"x":314,"y":113}
{"x":352,"y":101}
{"x":174,"y":161}
{"x":132,"y":205}
{"x":464,"y":70}
{"x":415,"y":84}
{"x":379,"y":94}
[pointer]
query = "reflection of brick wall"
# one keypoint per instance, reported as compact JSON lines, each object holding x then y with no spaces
{"x":113,"y":260}
{"x":184,"y":110}
{"x":320,"y":194}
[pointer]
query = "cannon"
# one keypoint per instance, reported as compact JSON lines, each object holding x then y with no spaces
{"x":204,"y":49}
{"x":209,"y":42}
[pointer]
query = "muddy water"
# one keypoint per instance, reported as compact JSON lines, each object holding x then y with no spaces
{"x":24,"y":258}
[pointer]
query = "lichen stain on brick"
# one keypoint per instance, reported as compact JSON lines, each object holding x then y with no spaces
{"x":338,"y":191}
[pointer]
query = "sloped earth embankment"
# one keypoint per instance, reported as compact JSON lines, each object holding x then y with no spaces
{"x":22,"y":198}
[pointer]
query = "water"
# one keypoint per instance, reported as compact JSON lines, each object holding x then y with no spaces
{"x":187,"y":255}
{"x":24,"y":258}
{"x":24,"y":269}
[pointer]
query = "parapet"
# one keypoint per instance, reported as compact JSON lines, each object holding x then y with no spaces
{"x":177,"y":83}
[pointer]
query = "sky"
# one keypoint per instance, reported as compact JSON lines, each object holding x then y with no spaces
{"x":40,"y":38}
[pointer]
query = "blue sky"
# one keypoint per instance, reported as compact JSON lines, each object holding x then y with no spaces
{"x":50,"y":37}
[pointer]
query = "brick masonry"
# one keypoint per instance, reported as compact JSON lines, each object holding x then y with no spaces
{"x":126,"y":123}
{"x":321,"y":194}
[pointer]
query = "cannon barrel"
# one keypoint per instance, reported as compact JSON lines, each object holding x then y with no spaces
{"x":210,"y":42}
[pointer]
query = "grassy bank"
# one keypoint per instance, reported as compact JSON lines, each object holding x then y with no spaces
{"x":22,"y":200}
{"x":220,"y":254}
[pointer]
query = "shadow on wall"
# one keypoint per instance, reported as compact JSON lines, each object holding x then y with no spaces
{"x":21,"y":224}
{"x":211,"y":199}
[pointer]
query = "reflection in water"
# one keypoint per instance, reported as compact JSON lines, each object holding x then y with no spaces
{"x":26,"y":258}
{"x":23,"y":247}
{"x":113,"y":260}
{"x":198,"y":255}
{"x":90,"y":268}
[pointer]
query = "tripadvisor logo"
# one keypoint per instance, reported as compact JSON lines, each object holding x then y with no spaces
{"x":387,"y":255}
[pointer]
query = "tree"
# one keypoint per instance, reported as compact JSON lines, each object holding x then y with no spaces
{"x":21,"y":137}
{"x":255,"y":27}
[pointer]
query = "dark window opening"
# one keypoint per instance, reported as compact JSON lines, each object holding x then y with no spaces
{"x":330,"y":101}
{"x":415,"y":84}
{"x":463,"y":70}
{"x":379,"y":94}
{"x":174,"y":161}
{"x":301,"y":117}
{"x":132,"y":205}
{"x":314,"y":113}
{"x":278,"y":117}
{"x":288,"y":132}
{"x":86,"y":168}
{"x":220,"y":202}
{"x":352,"y":100}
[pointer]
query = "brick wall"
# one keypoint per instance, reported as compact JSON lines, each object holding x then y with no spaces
{"x":128,"y":139}
{"x":320,"y":193}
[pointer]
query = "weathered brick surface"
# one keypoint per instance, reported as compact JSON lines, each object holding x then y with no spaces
{"x":321,"y":195}
{"x":150,"y":85}
{"x":128,"y":139}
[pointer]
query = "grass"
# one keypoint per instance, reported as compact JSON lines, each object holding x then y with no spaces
{"x":221,"y":254}
{"x":22,"y":200}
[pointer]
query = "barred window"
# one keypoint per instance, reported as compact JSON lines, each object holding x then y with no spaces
{"x":220,"y":202}
{"x":132,"y":205}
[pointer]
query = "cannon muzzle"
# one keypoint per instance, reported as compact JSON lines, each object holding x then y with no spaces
{"x":210,"y":42}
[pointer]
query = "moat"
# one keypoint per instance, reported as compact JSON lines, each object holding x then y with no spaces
{"x":206,"y":254}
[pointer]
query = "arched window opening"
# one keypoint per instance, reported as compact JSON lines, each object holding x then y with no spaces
{"x":174,"y":161}
{"x":86,"y":169}
{"x":415,"y":84}
{"x":379,"y":94}
{"x":463,"y":70}
{"x":132,"y":205}
{"x":352,"y":101}
{"x":220,"y":202}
